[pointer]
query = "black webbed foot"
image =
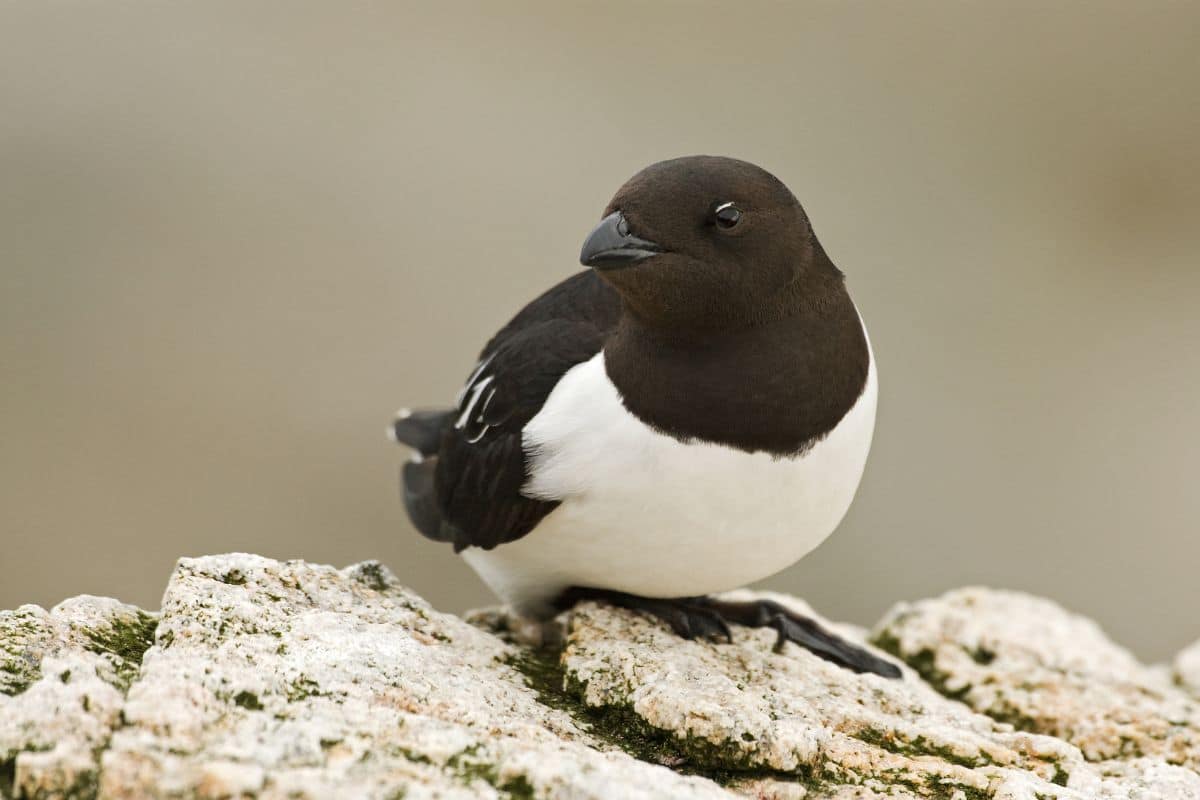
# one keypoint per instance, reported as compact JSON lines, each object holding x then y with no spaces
{"x":706,"y":617}
{"x":805,"y":632}
{"x":689,"y":617}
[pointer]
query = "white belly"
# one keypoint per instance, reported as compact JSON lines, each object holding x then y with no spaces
{"x":646,"y":514}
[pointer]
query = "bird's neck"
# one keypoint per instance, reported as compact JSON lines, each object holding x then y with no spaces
{"x":776,"y":385}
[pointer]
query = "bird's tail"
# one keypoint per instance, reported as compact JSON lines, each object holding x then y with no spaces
{"x":422,"y":431}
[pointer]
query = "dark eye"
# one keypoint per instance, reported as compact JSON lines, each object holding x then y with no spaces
{"x":727,"y":215}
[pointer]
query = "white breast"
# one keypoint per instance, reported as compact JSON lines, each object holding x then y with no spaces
{"x":646,"y":514}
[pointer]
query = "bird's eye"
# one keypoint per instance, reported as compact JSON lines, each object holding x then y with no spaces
{"x":727,"y":215}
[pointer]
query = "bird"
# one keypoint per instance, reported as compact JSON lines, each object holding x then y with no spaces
{"x":689,"y":414}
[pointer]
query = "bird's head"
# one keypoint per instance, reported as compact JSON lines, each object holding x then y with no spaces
{"x":706,"y":242}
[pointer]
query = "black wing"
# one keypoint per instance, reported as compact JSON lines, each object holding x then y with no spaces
{"x":468,"y":490}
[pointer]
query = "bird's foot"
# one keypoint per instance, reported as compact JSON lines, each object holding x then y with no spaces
{"x":803,"y":631}
{"x":689,"y":617}
{"x":708,"y":617}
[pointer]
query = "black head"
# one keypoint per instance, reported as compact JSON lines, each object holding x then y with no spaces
{"x":706,"y":242}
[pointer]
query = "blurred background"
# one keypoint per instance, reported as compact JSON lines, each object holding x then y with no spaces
{"x":234,"y":237}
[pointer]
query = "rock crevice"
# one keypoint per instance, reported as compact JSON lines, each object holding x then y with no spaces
{"x":267,"y":679}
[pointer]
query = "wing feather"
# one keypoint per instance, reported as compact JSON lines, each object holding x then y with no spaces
{"x":480,"y":465}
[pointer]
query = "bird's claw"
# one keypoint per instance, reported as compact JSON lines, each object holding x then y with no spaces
{"x":709,"y":618}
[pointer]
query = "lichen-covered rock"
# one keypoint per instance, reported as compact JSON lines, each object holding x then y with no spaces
{"x":745,"y":708}
{"x":293,"y":680}
{"x":1026,"y":661}
{"x":275,"y":679}
{"x":63,"y":675}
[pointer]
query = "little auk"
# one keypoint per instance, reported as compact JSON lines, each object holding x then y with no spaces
{"x":690,"y":414}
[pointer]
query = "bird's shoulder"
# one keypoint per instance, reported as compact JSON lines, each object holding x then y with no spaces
{"x":522,"y":362}
{"x":582,"y":299}
{"x":482,"y":464}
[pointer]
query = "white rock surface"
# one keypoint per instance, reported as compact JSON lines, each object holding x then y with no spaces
{"x":1187,"y":669}
{"x":293,"y":680}
{"x":1026,"y":661}
{"x":63,"y":674}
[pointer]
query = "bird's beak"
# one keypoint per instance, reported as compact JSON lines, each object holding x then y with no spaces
{"x":611,"y":245}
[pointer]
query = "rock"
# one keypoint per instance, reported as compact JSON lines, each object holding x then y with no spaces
{"x":292,"y":680}
{"x":1187,"y":669}
{"x":1026,"y":661}
{"x":63,"y":676}
{"x":275,"y":679}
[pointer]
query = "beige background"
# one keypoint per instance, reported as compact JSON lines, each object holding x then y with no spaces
{"x":235,"y":236}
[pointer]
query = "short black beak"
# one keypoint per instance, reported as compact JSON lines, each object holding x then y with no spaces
{"x":612,"y":245}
